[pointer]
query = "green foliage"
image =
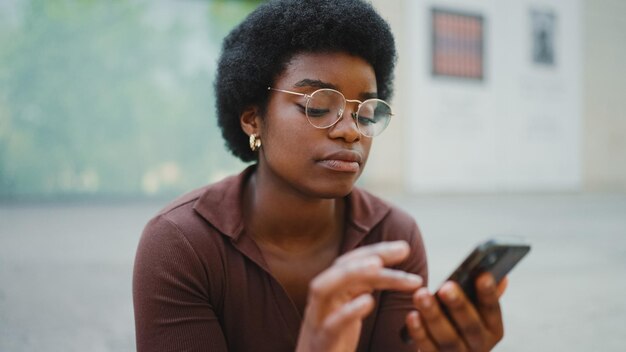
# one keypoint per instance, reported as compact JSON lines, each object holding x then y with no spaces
{"x":110,"y":98}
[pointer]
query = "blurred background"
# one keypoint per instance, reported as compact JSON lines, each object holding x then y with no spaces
{"x":510,"y":121}
{"x":111,"y":100}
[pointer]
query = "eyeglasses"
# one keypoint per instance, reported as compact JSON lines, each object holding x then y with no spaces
{"x":324,"y":108}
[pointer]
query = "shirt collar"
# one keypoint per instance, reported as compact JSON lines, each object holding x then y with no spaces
{"x":221,"y":205}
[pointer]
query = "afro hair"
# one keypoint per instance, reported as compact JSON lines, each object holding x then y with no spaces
{"x":256,"y":52}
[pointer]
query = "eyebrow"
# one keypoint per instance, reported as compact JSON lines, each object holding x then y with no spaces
{"x":316,"y":83}
{"x":369,"y":95}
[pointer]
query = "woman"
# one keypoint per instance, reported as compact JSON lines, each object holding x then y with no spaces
{"x":289,"y":255}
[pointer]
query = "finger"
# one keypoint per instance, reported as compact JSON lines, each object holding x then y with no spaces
{"x":360,"y":276}
{"x":354,"y":310}
{"x":418,"y":333}
{"x":389,"y":252}
{"x":465,"y":315}
{"x":438,"y":326}
{"x":391,"y":279}
{"x":488,"y":304}
{"x":501,"y":288}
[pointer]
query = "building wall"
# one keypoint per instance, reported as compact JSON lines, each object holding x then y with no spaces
{"x":387,"y":164}
{"x":526,"y":127}
{"x":604,"y":129}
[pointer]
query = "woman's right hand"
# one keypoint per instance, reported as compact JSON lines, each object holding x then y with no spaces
{"x":341,"y":296}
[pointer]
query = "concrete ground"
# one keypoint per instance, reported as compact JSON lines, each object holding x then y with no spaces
{"x":65,"y":269}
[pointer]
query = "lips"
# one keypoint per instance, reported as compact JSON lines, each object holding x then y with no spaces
{"x":343,"y":161}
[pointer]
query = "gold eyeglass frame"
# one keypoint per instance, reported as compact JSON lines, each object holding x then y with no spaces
{"x":354,"y":114}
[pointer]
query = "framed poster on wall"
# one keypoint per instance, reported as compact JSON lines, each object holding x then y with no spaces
{"x":543,"y":37}
{"x":457,"y":44}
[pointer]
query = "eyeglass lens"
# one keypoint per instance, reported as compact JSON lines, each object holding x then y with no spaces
{"x":326,"y":106}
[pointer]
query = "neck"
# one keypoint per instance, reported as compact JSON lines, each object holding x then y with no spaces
{"x":282,"y":216}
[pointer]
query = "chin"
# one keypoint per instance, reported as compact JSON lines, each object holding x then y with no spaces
{"x":332,"y":190}
{"x":334,"y":195}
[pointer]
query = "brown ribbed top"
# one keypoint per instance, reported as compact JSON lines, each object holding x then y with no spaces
{"x":201,"y":284}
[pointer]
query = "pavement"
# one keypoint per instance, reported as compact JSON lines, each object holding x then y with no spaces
{"x":65,"y":268}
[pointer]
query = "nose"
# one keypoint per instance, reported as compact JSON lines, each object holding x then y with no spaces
{"x":346,"y":127}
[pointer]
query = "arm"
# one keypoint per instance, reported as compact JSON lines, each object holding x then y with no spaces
{"x":171,"y":294}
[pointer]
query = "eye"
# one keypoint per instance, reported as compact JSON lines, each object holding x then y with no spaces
{"x":366,"y":115}
{"x":301,"y":108}
{"x":314,"y":112}
{"x":364,"y":120}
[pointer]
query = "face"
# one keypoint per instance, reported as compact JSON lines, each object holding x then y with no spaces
{"x":322,"y":163}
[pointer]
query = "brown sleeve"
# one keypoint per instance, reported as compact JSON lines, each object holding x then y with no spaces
{"x":394,"y":306}
{"x":170,"y":294}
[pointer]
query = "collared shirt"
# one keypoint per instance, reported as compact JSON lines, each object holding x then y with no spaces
{"x":200,"y":283}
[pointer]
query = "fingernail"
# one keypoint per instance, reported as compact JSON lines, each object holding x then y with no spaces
{"x":416,"y":279}
{"x":489,"y":283}
{"x":415,"y":322}
{"x":450,"y":293}
{"x":396,"y":245}
{"x":425,"y":299}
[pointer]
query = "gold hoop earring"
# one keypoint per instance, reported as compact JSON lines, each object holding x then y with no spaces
{"x":255,"y":142}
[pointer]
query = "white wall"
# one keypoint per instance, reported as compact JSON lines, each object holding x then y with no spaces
{"x":387,"y":165}
{"x":518,"y":129}
{"x":605,"y":95}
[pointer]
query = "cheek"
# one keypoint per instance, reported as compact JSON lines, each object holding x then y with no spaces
{"x":286,"y":137}
{"x":367,"y":145}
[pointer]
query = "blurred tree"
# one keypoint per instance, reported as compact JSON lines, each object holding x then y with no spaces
{"x":110,"y":98}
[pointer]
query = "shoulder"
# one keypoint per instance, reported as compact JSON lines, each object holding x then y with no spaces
{"x":212,"y":208}
{"x":175,"y":215}
{"x":168,"y":232}
{"x":179,"y":244}
{"x":374,"y":212}
{"x":189,"y":225}
{"x":174,"y":224}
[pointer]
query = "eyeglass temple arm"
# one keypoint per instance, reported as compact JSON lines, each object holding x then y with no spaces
{"x":289,"y":92}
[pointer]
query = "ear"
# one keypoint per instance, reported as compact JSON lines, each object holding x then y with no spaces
{"x":250,"y":120}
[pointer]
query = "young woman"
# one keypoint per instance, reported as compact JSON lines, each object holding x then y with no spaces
{"x":289,"y":255}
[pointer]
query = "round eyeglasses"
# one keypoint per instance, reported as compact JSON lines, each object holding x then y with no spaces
{"x":324,"y":108}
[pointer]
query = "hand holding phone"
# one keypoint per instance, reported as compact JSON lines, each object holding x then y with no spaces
{"x":497,"y":257}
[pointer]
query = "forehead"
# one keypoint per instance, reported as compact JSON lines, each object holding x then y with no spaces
{"x":345,"y":72}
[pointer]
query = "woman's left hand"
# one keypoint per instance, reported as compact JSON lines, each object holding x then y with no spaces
{"x":477,"y":328}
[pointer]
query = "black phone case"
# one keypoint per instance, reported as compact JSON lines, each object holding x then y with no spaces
{"x":495,"y":256}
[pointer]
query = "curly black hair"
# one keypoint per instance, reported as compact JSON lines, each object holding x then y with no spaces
{"x":258,"y":49}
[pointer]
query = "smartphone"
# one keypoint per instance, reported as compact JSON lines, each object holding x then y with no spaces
{"x":496,"y":256}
